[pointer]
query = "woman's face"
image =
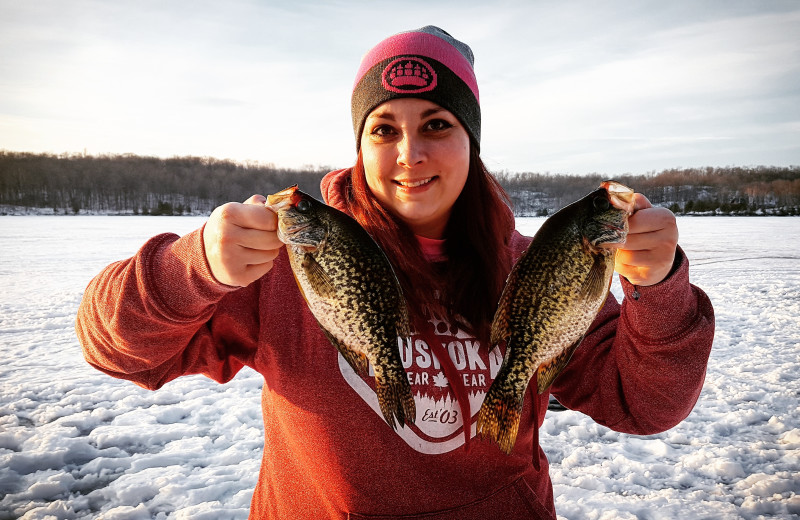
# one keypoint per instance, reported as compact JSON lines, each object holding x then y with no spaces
{"x":416,"y":160}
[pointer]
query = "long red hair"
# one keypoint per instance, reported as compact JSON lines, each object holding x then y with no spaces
{"x":467,"y":287}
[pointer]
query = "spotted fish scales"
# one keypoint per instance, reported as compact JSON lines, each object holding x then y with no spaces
{"x":352,"y":291}
{"x":551,"y":297}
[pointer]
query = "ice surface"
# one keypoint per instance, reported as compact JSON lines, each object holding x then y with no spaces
{"x":75,"y":443}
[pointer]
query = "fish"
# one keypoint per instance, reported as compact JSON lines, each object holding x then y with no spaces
{"x":351,"y":289}
{"x":551,"y":297}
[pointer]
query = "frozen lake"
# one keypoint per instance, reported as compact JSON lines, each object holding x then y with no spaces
{"x":75,"y":443}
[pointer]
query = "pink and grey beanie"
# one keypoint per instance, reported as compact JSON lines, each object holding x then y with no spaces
{"x":425,"y":63}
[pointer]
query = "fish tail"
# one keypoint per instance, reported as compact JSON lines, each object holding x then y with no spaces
{"x":498,"y":418}
{"x":395,"y":400}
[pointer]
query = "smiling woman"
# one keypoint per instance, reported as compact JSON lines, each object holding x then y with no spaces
{"x":418,"y":171}
{"x":416,"y":161}
{"x":224,"y":297}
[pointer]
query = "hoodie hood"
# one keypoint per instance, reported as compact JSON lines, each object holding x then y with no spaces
{"x":334,"y":186}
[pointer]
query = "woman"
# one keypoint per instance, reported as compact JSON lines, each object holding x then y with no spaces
{"x":224,"y":296}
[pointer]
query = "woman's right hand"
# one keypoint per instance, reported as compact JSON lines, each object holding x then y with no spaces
{"x":241,"y":241}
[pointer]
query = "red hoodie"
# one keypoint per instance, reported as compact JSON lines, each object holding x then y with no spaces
{"x":328,"y":452}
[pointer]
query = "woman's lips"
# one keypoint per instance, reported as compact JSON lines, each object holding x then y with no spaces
{"x":414,"y":183}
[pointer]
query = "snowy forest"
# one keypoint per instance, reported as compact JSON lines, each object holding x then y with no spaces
{"x":131,"y":184}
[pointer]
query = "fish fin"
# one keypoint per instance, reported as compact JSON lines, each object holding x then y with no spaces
{"x":499,"y":331}
{"x":595,"y":284}
{"x":500,"y":325}
{"x":317,"y":277}
{"x":355,"y":359}
{"x":403,"y":322}
{"x":395,"y":399}
{"x":549,"y":370}
{"x":499,"y":415}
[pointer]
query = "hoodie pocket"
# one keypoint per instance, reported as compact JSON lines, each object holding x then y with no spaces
{"x":514,"y":501}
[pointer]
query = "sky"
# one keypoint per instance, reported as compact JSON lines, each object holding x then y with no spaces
{"x":576,"y":87}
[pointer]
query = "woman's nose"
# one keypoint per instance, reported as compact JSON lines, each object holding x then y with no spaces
{"x":410,"y":151}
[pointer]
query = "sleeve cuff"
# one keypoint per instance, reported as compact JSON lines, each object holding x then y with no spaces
{"x":181,"y":276}
{"x":659,"y":313}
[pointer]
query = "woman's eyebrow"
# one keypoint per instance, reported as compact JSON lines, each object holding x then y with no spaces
{"x":429,"y":112}
{"x":378,"y":114}
{"x":382,"y":115}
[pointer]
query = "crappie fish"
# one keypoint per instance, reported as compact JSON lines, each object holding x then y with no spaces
{"x":552,"y":295}
{"x":351,"y":290}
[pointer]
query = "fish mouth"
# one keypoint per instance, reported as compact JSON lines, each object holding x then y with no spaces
{"x":620,"y":196}
{"x":281,"y":202}
{"x":282,"y":199}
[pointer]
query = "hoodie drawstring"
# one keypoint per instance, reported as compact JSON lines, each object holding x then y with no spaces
{"x":452,"y":375}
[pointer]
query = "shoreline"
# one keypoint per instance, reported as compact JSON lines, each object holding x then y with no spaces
{"x":22,"y":211}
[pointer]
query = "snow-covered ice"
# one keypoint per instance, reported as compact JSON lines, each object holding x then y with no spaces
{"x":75,"y":443}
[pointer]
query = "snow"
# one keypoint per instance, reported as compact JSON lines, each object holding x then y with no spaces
{"x":75,"y":443}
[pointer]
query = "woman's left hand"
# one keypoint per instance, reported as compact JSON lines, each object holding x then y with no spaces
{"x":649,"y":252}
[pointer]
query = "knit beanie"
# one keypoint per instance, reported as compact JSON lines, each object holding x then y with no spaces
{"x":425,"y":63}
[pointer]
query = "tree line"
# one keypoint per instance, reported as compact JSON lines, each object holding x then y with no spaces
{"x":730,"y":190}
{"x":131,"y":184}
{"x":140,"y":185}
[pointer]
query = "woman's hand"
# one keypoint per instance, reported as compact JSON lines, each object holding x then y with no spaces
{"x":241,"y":241}
{"x":649,"y":251}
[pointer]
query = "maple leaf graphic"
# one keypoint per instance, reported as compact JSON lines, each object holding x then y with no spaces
{"x":440,"y":381}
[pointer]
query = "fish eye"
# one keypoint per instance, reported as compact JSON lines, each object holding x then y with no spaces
{"x":601,"y":203}
{"x":304,"y":206}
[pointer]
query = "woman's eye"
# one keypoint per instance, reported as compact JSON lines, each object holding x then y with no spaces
{"x":438,"y":125}
{"x":382,"y":131}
